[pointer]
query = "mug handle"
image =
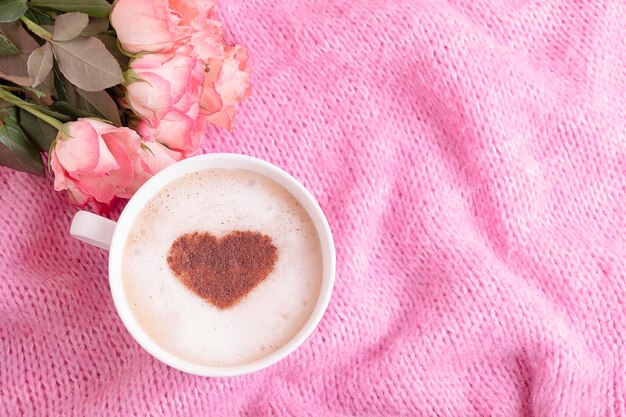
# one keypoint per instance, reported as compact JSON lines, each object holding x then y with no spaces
{"x":93,"y":229}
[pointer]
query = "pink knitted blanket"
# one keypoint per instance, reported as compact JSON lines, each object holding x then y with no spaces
{"x":471,"y":159}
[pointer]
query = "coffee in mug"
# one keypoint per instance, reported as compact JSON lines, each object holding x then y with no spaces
{"x":222,"y":267}
{"x":219,"y":265}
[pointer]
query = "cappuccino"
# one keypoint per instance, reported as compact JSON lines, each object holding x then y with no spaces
{"x":222,"y":267}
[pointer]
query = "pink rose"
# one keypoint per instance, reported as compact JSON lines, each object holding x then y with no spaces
{"x":153,"y":158}
{"x":176,"y":131}
{"x":160,"y":25}
{"x":95,"y":161}
{"x":167,"y":98}
{"x":225,"y":85}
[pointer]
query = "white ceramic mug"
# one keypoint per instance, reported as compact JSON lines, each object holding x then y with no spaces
{"x":112,"y":236}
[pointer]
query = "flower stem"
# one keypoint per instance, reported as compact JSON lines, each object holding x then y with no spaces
{"x":36,"y":29}
{"x":15,"y":100}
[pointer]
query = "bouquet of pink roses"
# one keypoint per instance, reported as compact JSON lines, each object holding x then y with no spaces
{"x":113,"y":93}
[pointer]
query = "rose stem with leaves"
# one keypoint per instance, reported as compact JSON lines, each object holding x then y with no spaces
{"x":15,"y":100}
{"x":35,"y":28}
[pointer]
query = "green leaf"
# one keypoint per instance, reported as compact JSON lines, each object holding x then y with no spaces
{"x":38,"y":96}
{"x":40,"y":63}
{"x":47,"y":87}
{"x":95,"y":27}
{"x":39,"y":132}
{"x":117,"y":92}
{"x":70,"y":110}
{"x":99,"y":102}
{"x":69,"y":25}
{"x":59,"y":84}
{"x":110,"y":42}
{"x":50,"y":112}
{"x":16,"y":33}
{"x":39,"y":17}
{"x":11,"y":10}
{"x":86,"y":63}
{"x":16,"y":151}
{"x":6,"y":47}
{"x":24,"y":81}
{"x":95,"y":8}
{"x":21,"y":159}
{"x":14,"y":68}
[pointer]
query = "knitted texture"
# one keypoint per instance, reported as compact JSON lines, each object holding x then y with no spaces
{"x":471,"y":159}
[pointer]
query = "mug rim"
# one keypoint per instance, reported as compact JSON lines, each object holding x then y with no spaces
{"x":228,"y":161}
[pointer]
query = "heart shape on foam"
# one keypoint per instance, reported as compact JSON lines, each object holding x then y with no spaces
{"x":222,"y":270}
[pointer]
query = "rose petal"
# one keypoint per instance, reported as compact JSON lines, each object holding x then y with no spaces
{"x":207,"y":42}
{"x":224,"y":118}
{"x":107,"y":161}
{"x":143,"y":25}
{"x":198,"y":134}
{"x":233,"y":83}
{"x":174,"y":131}
{"x":103,"y":191}
{"x":211,"y":100}
{"x":157,"y":157}
{"x":177,"y":71}
{"x":77,"y":197}
{"x":78,"y":150}
{"x":149,"y":98}
{"x":153,"y":158}
{"x":124,"y":145}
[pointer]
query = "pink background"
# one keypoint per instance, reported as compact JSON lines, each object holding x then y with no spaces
{"x":471,"y":159}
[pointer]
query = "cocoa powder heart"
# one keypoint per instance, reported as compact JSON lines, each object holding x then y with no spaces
{"x":222,"y":270}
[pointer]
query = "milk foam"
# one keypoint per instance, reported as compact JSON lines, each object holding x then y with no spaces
{"x":220,"y":201}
